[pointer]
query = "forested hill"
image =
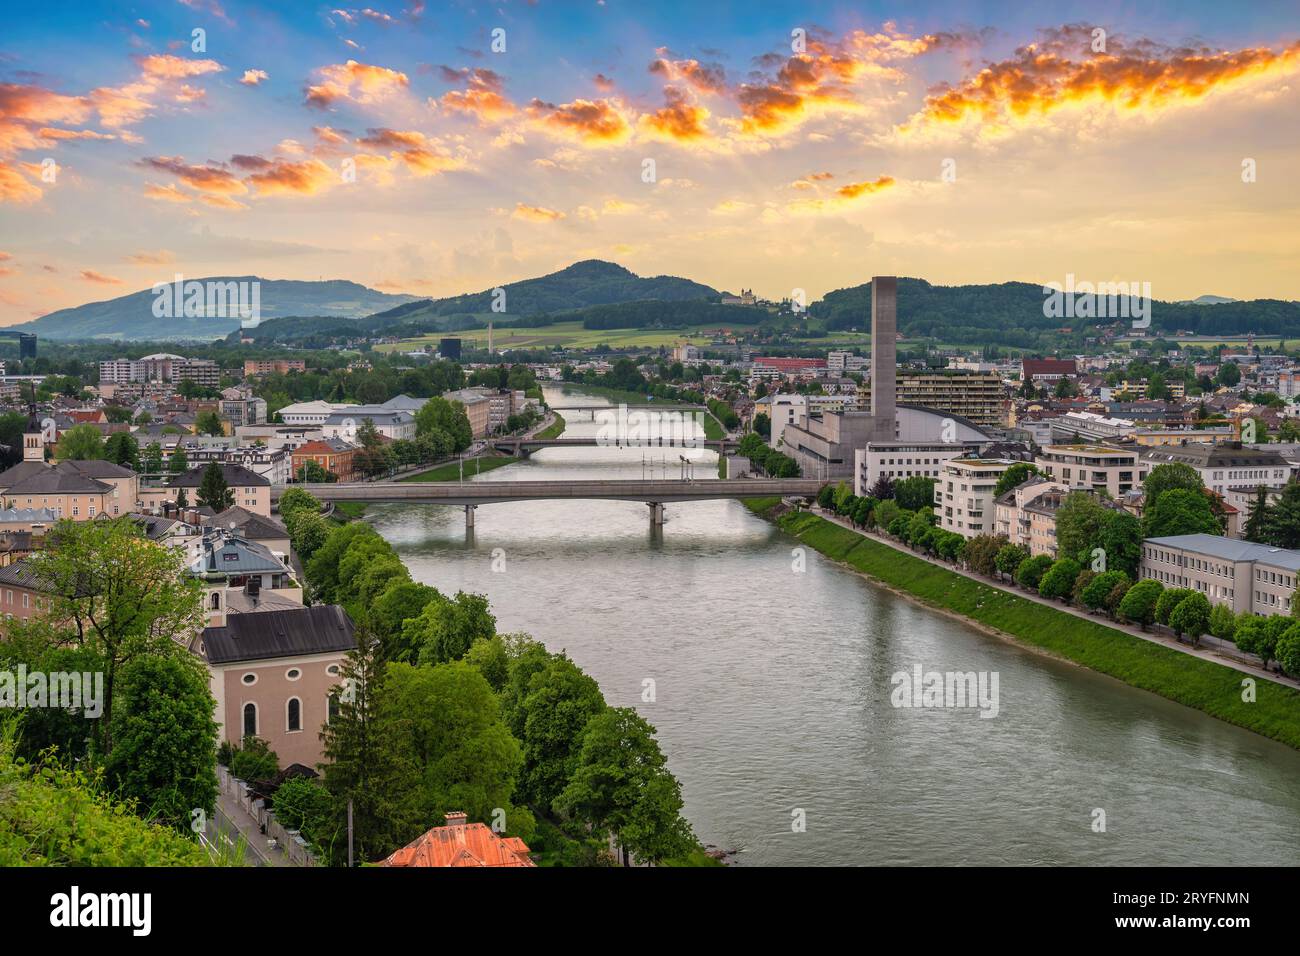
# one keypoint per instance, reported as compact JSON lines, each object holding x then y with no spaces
{"x":1011,"y":313}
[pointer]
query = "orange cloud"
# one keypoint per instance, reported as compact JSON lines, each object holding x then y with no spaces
{"x":482,"y":97}
{"x":164,"y":66}
{"x":90,"y":275}
{"x":167,"y":193}
{"x":1043,"y":78}
{"x":160,"y":258}
{"x":360,"y":82}
{"x":302,"y":178}
{"x":535,"y":213}
{"x":846,"y":195}
{"x":679,"y":121}
{"x":595,"y":122}
{"x":703,"y":78}
{"x":14,"y":188}
{"x":254,"y":77}
{"x":854,"y":190}
{"x":412,"y":149}
{"x":212,"y":178}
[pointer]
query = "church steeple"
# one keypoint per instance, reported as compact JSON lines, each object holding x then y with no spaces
{"x":34,"y":434}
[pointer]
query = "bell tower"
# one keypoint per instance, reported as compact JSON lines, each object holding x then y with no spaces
{"x":33,"y":434}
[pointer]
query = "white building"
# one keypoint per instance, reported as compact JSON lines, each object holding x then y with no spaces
{"x":898,"y":460}
{"x":963,"y":496}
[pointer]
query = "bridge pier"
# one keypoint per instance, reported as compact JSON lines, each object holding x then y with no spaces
{"x":469,"y":517}
{"x":656,"y":514}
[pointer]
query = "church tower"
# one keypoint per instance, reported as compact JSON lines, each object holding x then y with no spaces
{"x":33,"y":434}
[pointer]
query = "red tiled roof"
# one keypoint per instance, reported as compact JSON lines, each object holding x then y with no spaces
{"x":462,"y":844}
{"x":1031,"y":367}
{"x":790,"y":364}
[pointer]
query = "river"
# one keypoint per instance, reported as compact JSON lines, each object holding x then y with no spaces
{"x":772,"y":692}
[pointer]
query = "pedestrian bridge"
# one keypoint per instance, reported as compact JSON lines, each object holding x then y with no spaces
{"x":655,"y":492}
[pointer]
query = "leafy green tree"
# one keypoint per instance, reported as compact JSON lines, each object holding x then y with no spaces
{"x":825,"y":497}
{"x":1256,"y":517}
{"x":1098,"y":589}
{"x":323,"y":568}
{"x":314,"y":472}
{"x":401,"y":600}
{"x":1139,"y":603}
{"x":621,"y":786}
{"x":209,"y":423}
{"x":118,"y":594}
{"x":306,"y":806}
{"x":80,"y":443}
{"x":1029,"y":574}
{"x":1082,"y":581}
{"x":1229,"y":374}
{"x":1009,"y":558}
{"x":918,"y":526}
{"x":1288,"y":650}
{"x":1223,"y":623}
{"x":914,"y":493}
{"x":492,"y":658}
{"x":1168,"y":600}
{"x":294,"y":499}
{"x":1168,"y":477}
{"x":1120,"y":538}
{"x":164,"y":754}
{"x":179,"y":462}
{"x":307,"y":532}
{"x":213,"y":492}
{"x":1116,"y":596}
{"x":1058,"y":581}
{"x":1191,"y":617}
{"x":122,"y":449}
{"x":1255,"y":636}
{"x":152,"y":461}
{"x":527,"y":658}
{"x":448,"y":417}
{"x":885,"y":513}
{"x":1179,"y":511}
{"x":447,"y":628}
{"x":254,"y":760}
{"x":447,"y":723}
{"x":1015,"y":476}
{"x":561,"y":701}
{"x":1079,"y":521}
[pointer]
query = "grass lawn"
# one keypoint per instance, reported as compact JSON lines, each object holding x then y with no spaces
{"x":349,"y":510}
{"x":566,"y":335}
{"x":553,"y":430}
{"x":452,"y":472}
{"x":1208,"y":686}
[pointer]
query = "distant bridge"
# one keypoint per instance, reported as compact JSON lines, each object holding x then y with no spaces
{"x":660,"y":407}
{"x":523,"y":447}
{"x":655,"y":492}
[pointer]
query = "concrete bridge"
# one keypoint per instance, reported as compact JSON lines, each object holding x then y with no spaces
{"x":523,"y":447}
{"x":660,"y":407}
{"x":655,"y":492}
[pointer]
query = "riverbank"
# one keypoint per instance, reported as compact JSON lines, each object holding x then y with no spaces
{"x":1213,"y":688}
{"x":453,"y":470}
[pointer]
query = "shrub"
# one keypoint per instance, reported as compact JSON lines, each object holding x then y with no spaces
{"x":1058,"y":581}
{"x":1169,"y":600}
{"x":1139,"y":604}
{"x":1191,"y":616}
{"x":1096,"y":594}
{"x":255,"y":760}
{"x":1031,"y":570}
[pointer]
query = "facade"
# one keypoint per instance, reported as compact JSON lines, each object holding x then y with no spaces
{"x":161,"y":367}
{"x":273,"y":366}
{"x":79,"y":490}
{"x":240,"y":576}
{"x":1026,"y":515}
{"x":1115,"y":471}
{"x":477,"y":409}
{"x":963,"y":495}
{"x":825,"y":445}
{"x":977,"y":397}
{"x":1040,"y":371}
{"x":252,"y":491}
{"x":1239,"y":574}
{"x":394,"y":425}
{"x":245,"y":410}
{"x":333,"y":454}
{"x":276,"y":675}
{"x":898,"y":460}
{"x":1153,"y":437}
{"x":273,"y":464}
{"x":1226,"y":465}
{"x":1090,"y":426}
{"x":306,"y":413}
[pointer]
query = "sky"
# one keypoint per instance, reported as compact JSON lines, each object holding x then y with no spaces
{"x":438,"y":148}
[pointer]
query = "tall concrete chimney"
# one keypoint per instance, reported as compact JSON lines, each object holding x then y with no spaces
{"x":884,"y":356}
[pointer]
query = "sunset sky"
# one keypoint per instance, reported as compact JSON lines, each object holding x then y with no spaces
{"x":776,"y":164}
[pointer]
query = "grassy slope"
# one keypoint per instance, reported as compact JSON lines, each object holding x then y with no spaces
{"x":553,"y":430}
{"x":451,"y":471}
{"x":1208,"y":686}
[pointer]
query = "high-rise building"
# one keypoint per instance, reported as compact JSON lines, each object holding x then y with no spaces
{"x":884,"y":356}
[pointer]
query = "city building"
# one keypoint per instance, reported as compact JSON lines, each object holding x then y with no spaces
{"x":978,"y":397}
{"x":1239,"y":574}
{"x":776,"y":368}
{"x":240,"y":576}
{"x":1155,"y":437}
{"x":460,"y":843}
{"x":241,"y":407}
{"x":252,"y":491}
{"x":333,"y":454}
{"x":1047,"y":371}
{"x":306,"y":413}
{"x":273,"y":366}
{"x":1026,"y":514}
{"x":161,"y":367}
{"x":79,"y":490}
{"x":1089,"y":426}
{"x":898,"y":460}
{"x":276,"y":675}
{"x":1091,"y":468}
{"x":839,"y":363}
{"x":1224,"y":466}
{"x":394,"y":425}
{"x":963,"y":495}
{"x":477,"y":409}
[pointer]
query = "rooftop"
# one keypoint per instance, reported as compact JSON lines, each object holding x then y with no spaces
{"x":1231,"y":549}
{"x":462,"y":844}
{"x":318,"y":629}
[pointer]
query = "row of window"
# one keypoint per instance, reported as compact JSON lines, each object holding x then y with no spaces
{"x":293,"y":673}
{"x":292,"y":715}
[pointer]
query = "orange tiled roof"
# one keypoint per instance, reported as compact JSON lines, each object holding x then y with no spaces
{"x":462,"y":844}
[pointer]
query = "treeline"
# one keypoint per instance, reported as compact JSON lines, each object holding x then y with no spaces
{"x":668,"y":315}
{"x":438,"y":711}
{"x":766,"y":459}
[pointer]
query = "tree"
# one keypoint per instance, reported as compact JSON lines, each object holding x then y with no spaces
{"x":1168,"y":477}
{"x":982,"y":552}
{"x":209,"y":423}
{"x":323,"y":568}
{"x":1288,"y":650}
{"x":402,"y":600}
{"x":152,"y":462}
{"x":1179,"y":511}
{"x":81,"y":443}
{"x":826,"y":497}
{"x":448,"y":417}
{"x":492,"y":659}
{"x":1031,"y":570}
{"x":314,"y":471}
{"x":1009,"y":558}
{"x":306,"y":806}
{"x":621,"y":786}
{"x":1120,"y":539}
{"x":179,"y":462}
{"x":214,"y":493}
{"x":293,"y":499}
{"x":1139,"y":604}
{"x":882,"y":489}
{"x":254,"y":761}
{"x":561,"y":701}
{"x":1169,"y":599}
{"x":123,"y":450}
{"x":447,"y":724}
{"x":1257,"y":517}
{"x":1229,"y":374}
{"x":307,"y":531}
{"x":1058,"y":581}
{"x":1015,"y":476}
{"x":119,"y":594}
{"x":1191,"y":617}
{"x":914,"y":493}
{"x":1116,"y":596}
{"x":1079,"y":521}
{"x":164,"y":734}
{"x":446,"y":628}
{"x":1223,"y":623}
{"x":1098,"y":590}
{"x":1282,"y":522}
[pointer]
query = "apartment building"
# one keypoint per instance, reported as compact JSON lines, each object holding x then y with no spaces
{"x":963,"y":495}
{"x":1026,"y":514}
{"x":1138,"y":389}
{"x":1156,"y":437}
{"x":1226,"y":465}
{"x":160,"y":367}
{"x":273,"y":366}
{"x":1239,"y":574}
{"x":252,"y":491}
{"x":977,"y":397}
{"x":333,"y":454}
{"x":898,"y":460}
{"x":477,"y":409}
{"x":1091,"y":468}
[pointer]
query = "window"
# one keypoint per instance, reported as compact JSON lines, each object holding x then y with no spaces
{"x":216,"y":600}
{"x":294,"y":714}
{"x":250,"y":720}
{"x":333,"y":669}
{"x":292,"y":673}
{"x":249,"y":679}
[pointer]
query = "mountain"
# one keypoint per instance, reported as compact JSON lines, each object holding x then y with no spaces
{"x":1012,"y":313}
{"x":587,"y":283}
{"x":132,"y":317}
{"x":1206,"y":300}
